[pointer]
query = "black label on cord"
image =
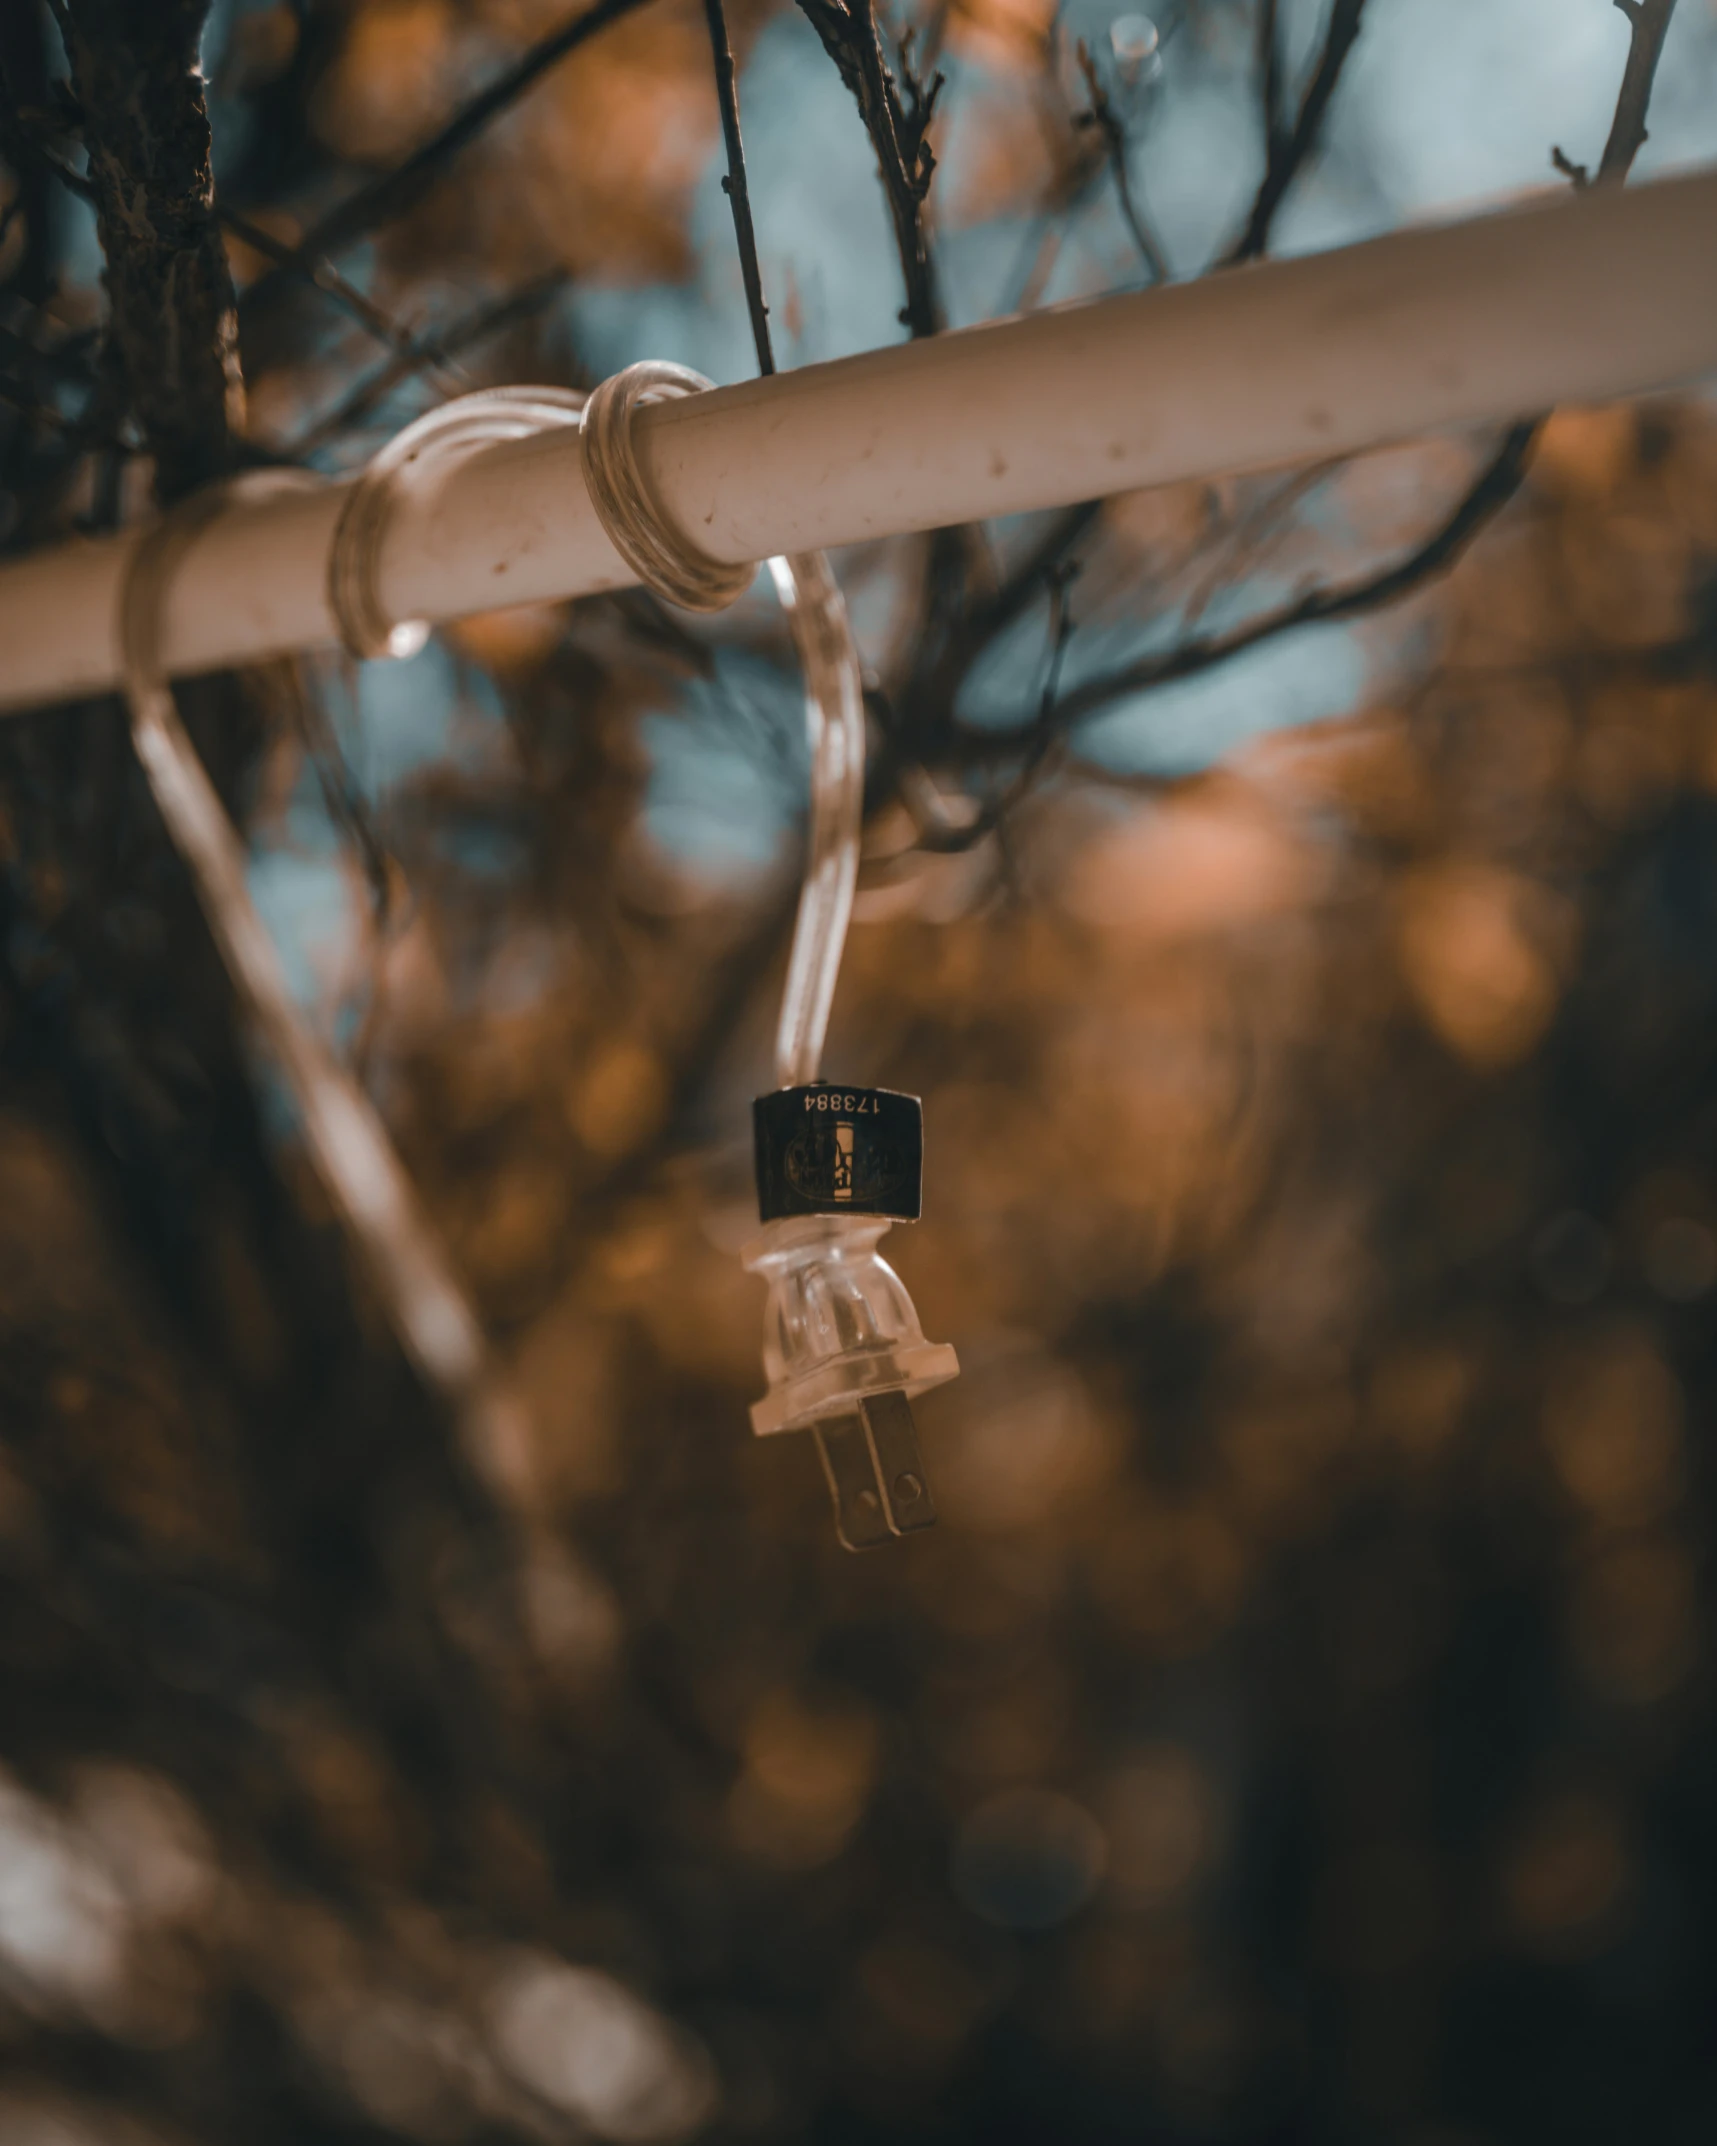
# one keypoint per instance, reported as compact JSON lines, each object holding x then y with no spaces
{"x":829,"y":1150}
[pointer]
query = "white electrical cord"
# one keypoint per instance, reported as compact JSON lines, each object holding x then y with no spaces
{"x":834,"y":721}
{"x":351,"y":1148}
{"x":408,"y":469}
{"x":665,"y":560}
{"x":353,"y":1153}
{"x":661,"y":555}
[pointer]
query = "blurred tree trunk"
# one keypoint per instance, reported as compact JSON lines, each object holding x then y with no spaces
{"x":124,"y":1048}
{"x":172,"y":321}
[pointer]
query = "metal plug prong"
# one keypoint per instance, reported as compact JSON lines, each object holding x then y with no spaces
{"x":876,"y":1476}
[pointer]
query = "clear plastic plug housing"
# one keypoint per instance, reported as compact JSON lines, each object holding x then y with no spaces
{"x":839,"y":1326}
{"x":844,"y":1354}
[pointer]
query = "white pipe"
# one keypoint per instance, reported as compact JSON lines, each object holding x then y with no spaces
{"x":1582,"y":298}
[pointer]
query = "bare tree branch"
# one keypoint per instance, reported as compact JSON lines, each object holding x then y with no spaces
{"x":395,"y":191}
{"x":1649,"y":25}
{"x":1251,"y":533}
{"x":434,"y":349}
{"x":323,"y":274}
{"x":897,"y":111}
{"x":1271,"y":89}
{"x":1287,"y":148}
{"x":1484,"y":499}
{"x":1649,"y":22}
{"x":1103,"y":117}
{"x":1041,"y":741}
{"x":734,"y":185}
{"x":1496,"y":484}
{"x":920,"y":725}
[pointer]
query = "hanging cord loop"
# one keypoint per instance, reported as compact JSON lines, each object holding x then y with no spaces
{"x":663,"y":559}
{"x":351,"y":1148}
{"x":675,"y":569}
{"x":353,"y":1154}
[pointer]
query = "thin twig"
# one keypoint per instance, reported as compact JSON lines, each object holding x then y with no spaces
{"x":1242,"y":542}
{"x":1287,"y":148}
{"x":734,"y":185}
{"x":1648,"y":24}
{"x":1076,"y":165}
{"x":1270,"y":71}
{"x":323,"y":274}
{"x":1648,"y":20}
{"x":1074,"y":176}
{"x":432,"y":349}
{"x":1103,"y":117}
{"x":1577,"y":174}
{"x":300,"y":708}
{"x":920,"y":725}
{"x":897,"y":112}
{"x":1496,"y":484}
{"x":1046,"y":561}
{"x":1045,"y":735}
{"x":395,"y":191}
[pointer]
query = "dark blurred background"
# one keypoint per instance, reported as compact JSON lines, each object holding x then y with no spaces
{"x":1301,"y":1725}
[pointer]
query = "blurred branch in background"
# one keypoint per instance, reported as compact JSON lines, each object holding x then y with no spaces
{"x":1477,"y":506}
{"x":734,"y":183}
{"x":1102,"y":116}
{"x":429,"y":350}
{"x":1288,"y":148}
{"x":320,"y":276}
{"x":400,"y":189}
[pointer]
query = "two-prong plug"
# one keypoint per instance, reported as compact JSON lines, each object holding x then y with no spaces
{"x":842,"y":1345}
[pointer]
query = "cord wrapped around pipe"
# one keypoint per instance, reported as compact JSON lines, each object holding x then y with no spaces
{"x":1580,"y":298}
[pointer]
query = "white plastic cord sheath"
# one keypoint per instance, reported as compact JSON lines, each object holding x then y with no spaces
{"x":834,"y":723}
{"x":352,"y":1151}
{"x":658,"y":552}
{"x":665,"y":560}
{"x":411,"y":466}
{"x":408,"y":470}
{"x":353,"y":1154}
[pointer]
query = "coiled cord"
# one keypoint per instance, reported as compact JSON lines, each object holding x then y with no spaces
{"x":351,"y":1148}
